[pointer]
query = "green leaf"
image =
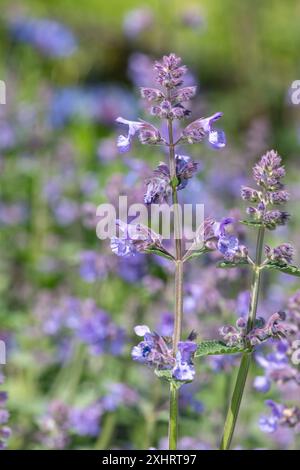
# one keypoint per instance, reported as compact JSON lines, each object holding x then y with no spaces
{"x":287,"y":269}
{"x":195,"y":254}
{"x":230,"y":264}
{"x":215,"y":348}
{"x":163,"y":254}
{"x":166,"y":374}
{"x":252,"y":223}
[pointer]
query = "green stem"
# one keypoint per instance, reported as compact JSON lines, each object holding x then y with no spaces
{"x":173,"y":412}
{"x":173,"y":418}
{"x":233,"y":412}
{"x":107,"y":432}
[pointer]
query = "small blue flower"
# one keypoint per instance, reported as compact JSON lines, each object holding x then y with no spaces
{"x":228,"y":245}
{"x":269,"y":424}
{"x":50,"y":37}
{"x":124,"y":142}
{"x":262,"y":384}
{"x":203,"y":127}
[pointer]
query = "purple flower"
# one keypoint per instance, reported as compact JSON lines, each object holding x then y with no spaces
{"x":92,"y":266}
{"x":282,"y":254}
{"x":101,"y":335}
{"x":201,"y":128}
{"x":170,"y":72}
{"x":280,"y":416}
{"x":262,"y":384}
{"x":136,"y":21}
{"x":166,"y":324}
{"x":148,"y":134}
{"x":134,"y":239}
{"x":185,"y":169}
{"x":153,"y":350}
{"x":156,"y":352}
{"x":50,"y":37}
{"x":118,"y":394}
{"x":5,"y":431}
{"x":228,"y":245}
{"x":158,"y":186}
{"x":86,"y":421}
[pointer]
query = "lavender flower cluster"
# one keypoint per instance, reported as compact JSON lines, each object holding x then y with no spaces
{"x":72,"y":319}
{"x":274,"y":327}
{"x":267,"y":174}
{"x":61,"y":422}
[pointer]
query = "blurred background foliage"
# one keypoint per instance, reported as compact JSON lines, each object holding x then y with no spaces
{"x":56,"y":155}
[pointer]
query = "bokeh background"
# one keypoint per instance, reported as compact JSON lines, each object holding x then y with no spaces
{"x":67,"y":304}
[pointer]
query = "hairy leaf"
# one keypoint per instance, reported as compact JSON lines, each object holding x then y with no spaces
{"x":287,"y":269}
{"x":215,"y":348}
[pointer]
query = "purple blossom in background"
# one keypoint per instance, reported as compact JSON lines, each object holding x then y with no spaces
{"x":166,"y":324}
{"x":66,"y":211}
{"x":5,"y":431}
{"x":243,"y":303}
{"x":13,"y":213}
{"x":189,"y":400}
{"x":119,"y":394}
{"x":50,"y":37}
{"x":86,"y":421}
{"x":96,"y":104}
{"x":92,"y":266}
{"x":101,"y":334}
{"x":262,"y":384}
{"x":280,"y":416}
{"x":80,"y":319}
{"x":227,"y":244}
{"x":54,"y":426}
{"x":136,"y":21}
{"x":132,"y":269}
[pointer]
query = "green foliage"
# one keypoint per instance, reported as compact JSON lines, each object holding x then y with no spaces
{"x":287,"y":269}
{"x":215,"y":348}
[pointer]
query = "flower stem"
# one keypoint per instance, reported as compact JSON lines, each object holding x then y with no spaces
{"x":232,"y":414}
{"x":173,"y":413}
{"x":173,"y":417}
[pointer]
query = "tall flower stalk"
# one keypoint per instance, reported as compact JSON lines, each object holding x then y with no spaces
{"x":267,"y":174}
{"x":167,"y":103}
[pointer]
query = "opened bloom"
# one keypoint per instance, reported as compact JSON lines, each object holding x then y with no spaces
{"x":202,"y":128}
{"x":148,"y":134}
{"x":155,"y":351}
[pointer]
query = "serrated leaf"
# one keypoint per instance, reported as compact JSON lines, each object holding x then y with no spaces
{"x":252,"y":223}
{"x":163,"y":254}
{"x":166,"y":374}
{"x":230,"y":264}
{"x":195,"y":254}
{"x":216,"y":348}
{"x":287,"y":269}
